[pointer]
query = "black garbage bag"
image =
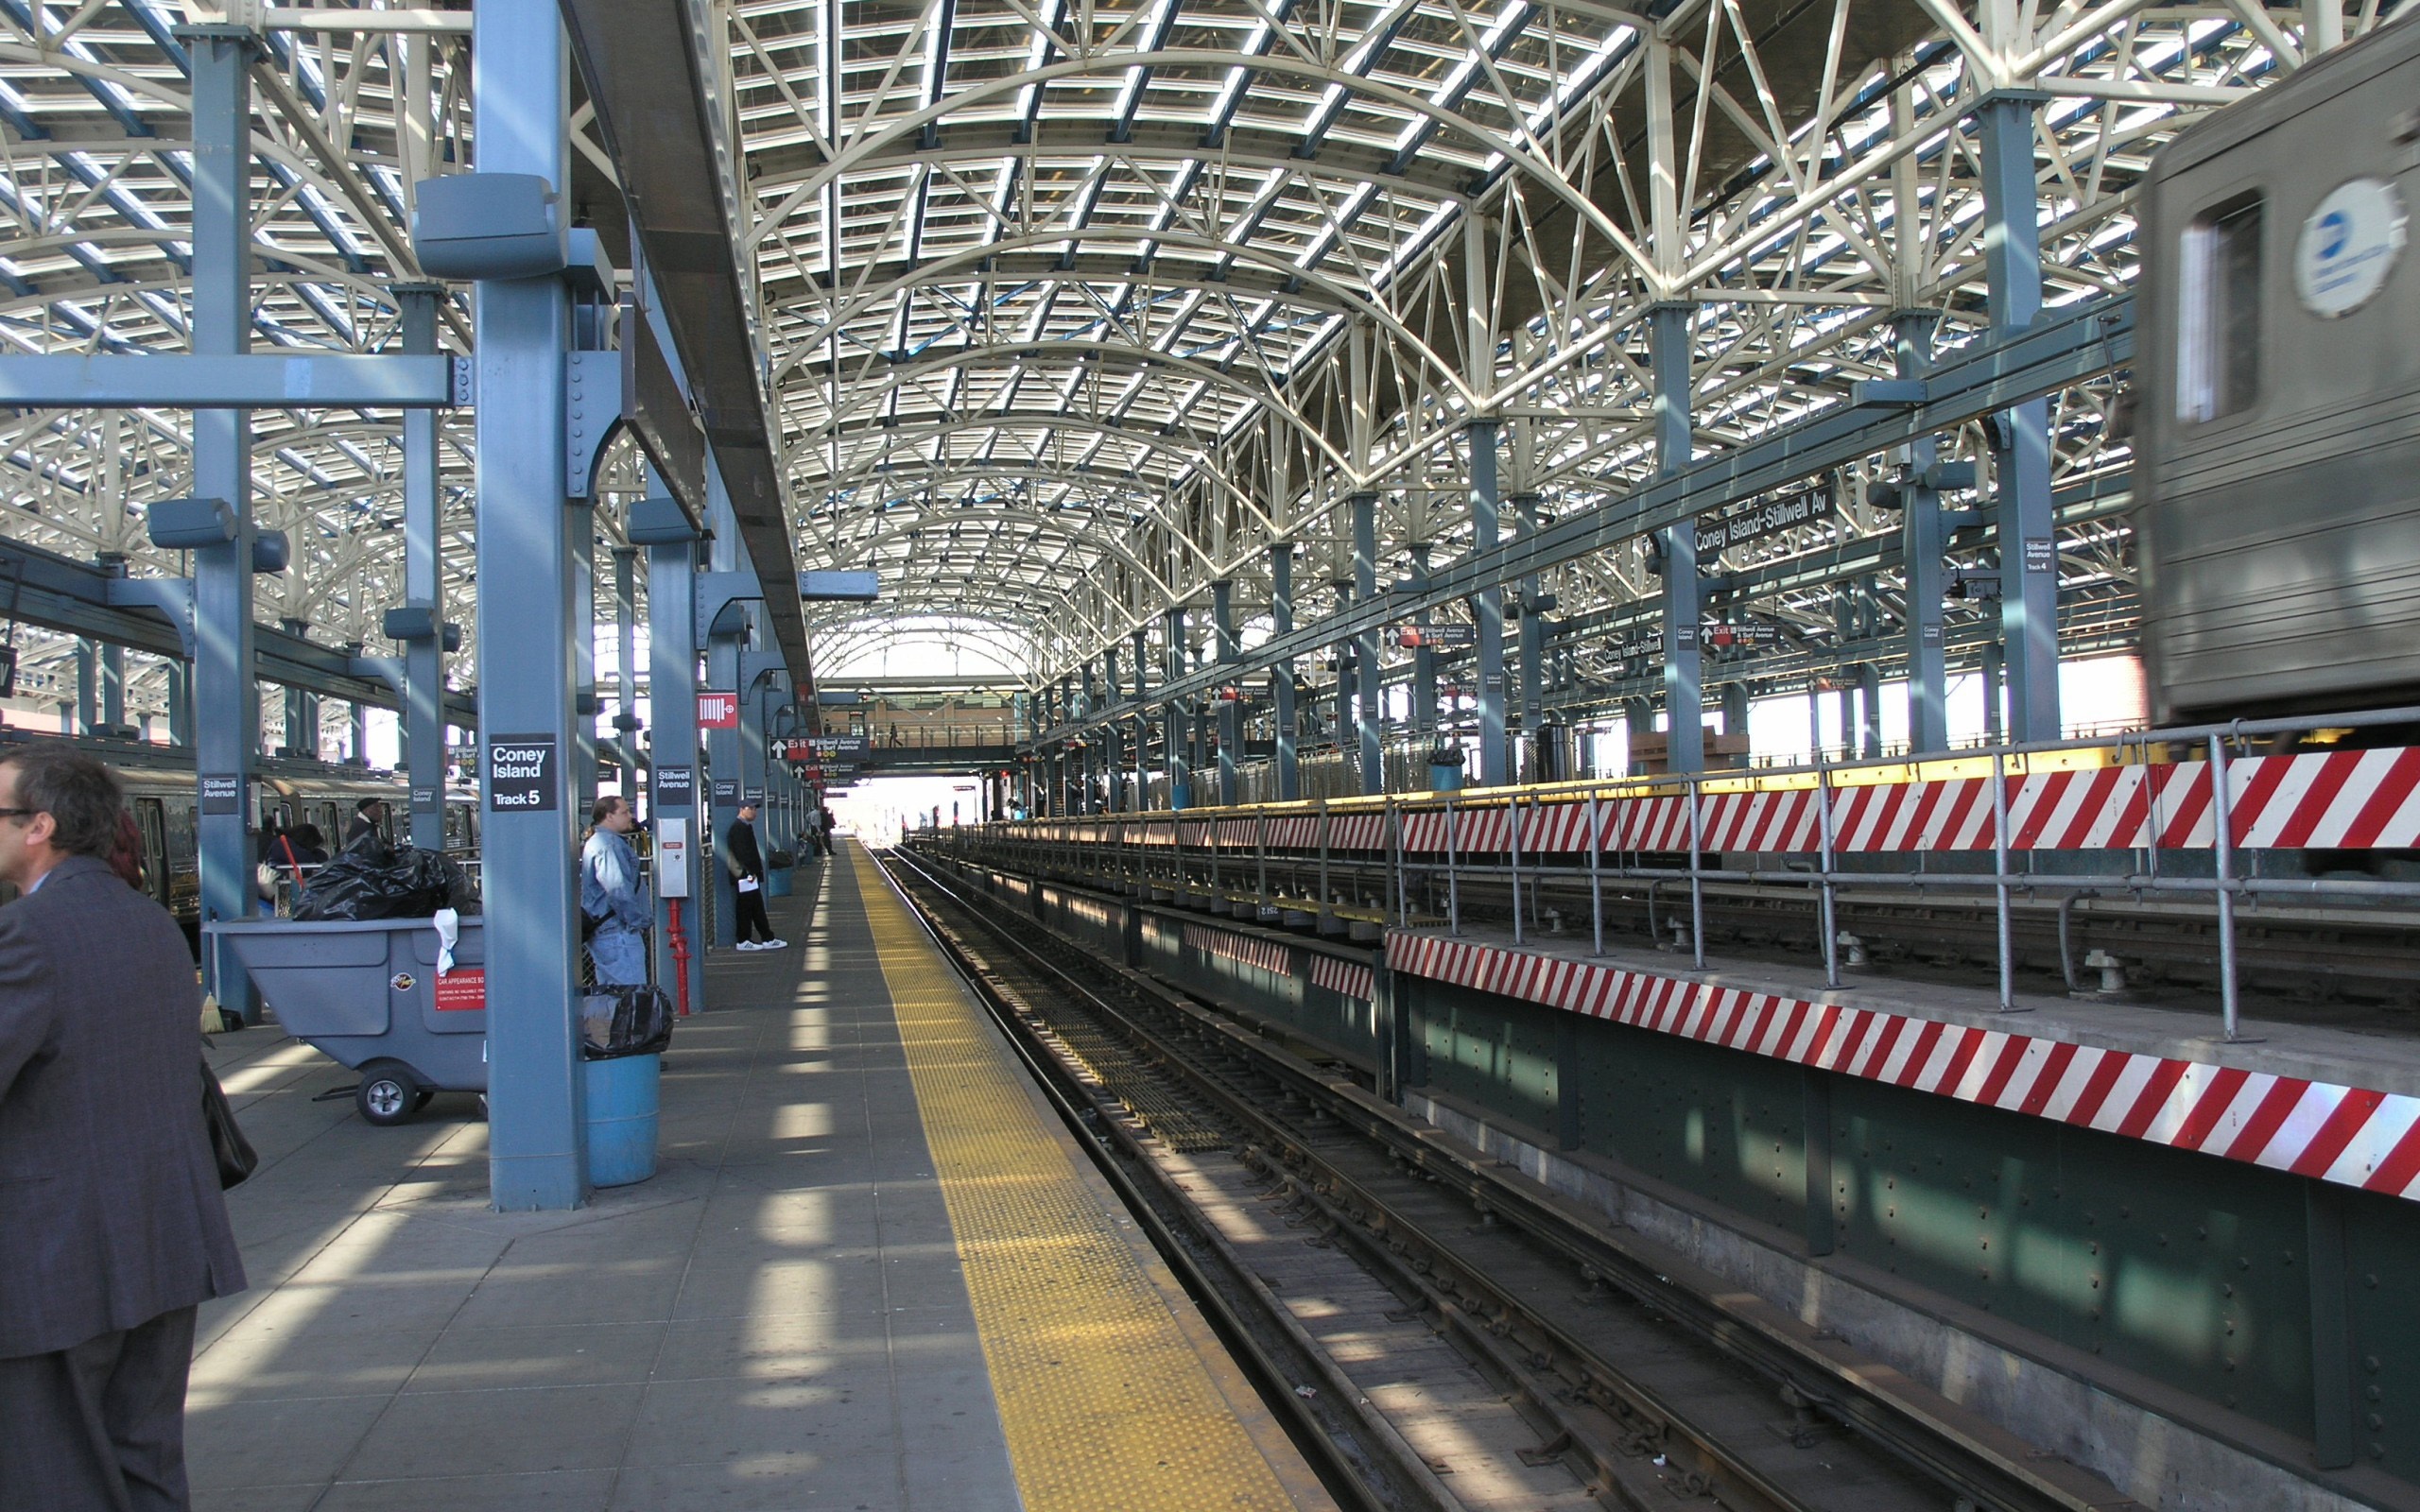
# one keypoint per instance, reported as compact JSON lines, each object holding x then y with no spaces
{"x":625,"y":1021}
{"x":361,"y":884}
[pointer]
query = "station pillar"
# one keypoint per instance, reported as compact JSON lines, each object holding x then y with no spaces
{"x":1281,"y":675}
{"x":423,"y":615}
{"x":671,"y":544}
{"x":2021,"y":437}
{"x":1180,"y":776}
{"x":537,"y":1156}
{"x":224,"y":698}
{"x":1487,"y":507}
{"x":1140,"y":645}
{"x":1368,"y":682}
{"x":1922,"y":550}
{"x":1684,"y":686}
{"x":1228,"y":702}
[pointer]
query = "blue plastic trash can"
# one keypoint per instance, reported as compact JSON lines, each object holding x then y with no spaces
{"x":622,"y":1098}
{"x":777,"y":881}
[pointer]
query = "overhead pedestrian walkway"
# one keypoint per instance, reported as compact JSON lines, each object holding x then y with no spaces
{"x":871,"y":1273}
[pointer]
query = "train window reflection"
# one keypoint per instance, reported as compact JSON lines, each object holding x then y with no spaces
{"x":2218,"y":328}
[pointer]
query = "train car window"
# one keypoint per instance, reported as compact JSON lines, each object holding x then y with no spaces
{"x":2217,"y":324}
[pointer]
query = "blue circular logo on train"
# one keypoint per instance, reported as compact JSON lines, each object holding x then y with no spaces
{"x":2349,"y":245}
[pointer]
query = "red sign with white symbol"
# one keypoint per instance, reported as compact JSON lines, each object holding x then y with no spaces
{"x":717,"y":711}
{"x":462,"y":991}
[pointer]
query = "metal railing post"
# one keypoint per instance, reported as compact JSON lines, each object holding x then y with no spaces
{"x":1453,"y":882}
{"x":1513,"y":842}
{"x":1596,"y":880}
{"x":1830,"y":909}
{"x":1326,"y":899}
{"x":1394,"y":844}
{"x":2223,"y":839}
{"x":1260,"y":856}
{"x":1999,"y":881}
{"x":1697,"y":884}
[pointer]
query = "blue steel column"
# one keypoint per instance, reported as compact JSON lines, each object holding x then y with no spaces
{"x":2028,"y":539}
{"x":1487,"y":507}
{"x":1367,"y":680}
{"x":424,"y":656}
{"x":1111,"y":738}
{"x":1534,"y":646}
{"x":723,"y":555}
{"x":672,"y":710}
{"x":114,"y":685}
{"x":1684,"y":686}
{"x":1179,"y":778}
{"x":87,"y":698}
{"x":536,"y":1158}
{"x":1230,"y":711}
{"x":1142,"y":719}
{"x":1922,"y":547}
{"x":579,"y":555}
{"x":1281,"y":676}
{"x":625,"y":671}
{"x":226,"y":700}
{"x":1423,"y":660}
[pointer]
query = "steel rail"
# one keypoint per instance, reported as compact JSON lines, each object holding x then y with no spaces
{"x":1960,"y":1448}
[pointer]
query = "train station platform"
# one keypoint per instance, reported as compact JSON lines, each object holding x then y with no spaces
{"x":872,"y":1272}
{"x":2316,"y":1100}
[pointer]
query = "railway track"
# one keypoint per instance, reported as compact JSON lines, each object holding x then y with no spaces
{"x":1439,"y":1331}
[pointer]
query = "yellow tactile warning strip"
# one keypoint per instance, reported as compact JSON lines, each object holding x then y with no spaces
{"x":1103,"y":1397}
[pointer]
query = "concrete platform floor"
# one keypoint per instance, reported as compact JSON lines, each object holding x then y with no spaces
{"x":777,"y":1320}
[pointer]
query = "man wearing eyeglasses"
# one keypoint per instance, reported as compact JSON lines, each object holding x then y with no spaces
{"x":112,"y":1229}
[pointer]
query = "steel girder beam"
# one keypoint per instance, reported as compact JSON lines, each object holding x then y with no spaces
{"x":2080,"y":344}
{"x":657,"y":93}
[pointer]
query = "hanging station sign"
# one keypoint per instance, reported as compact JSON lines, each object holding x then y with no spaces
{"x":1436,"y":637}
{"x":1758,"y":518}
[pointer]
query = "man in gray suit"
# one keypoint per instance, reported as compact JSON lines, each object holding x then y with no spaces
{"x":111,"y":1225}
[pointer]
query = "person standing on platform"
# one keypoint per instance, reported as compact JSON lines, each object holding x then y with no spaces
{"x":746,"y":860}
{"x":824,"y":827}
{"x":367,"y":832}
{"x":612,"y":896}
{"x":112,"y":1227}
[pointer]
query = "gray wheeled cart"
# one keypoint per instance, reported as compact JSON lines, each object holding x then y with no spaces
{"x":368,"y":994}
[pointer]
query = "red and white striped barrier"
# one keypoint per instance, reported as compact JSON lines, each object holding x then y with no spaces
{"x":2351,"y":1135}
{"x":1245,"y":950}
{"x":1351,"y":978}
{"x":2348,"y":800}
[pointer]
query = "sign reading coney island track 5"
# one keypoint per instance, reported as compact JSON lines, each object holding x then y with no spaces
{"x":522,"y":776}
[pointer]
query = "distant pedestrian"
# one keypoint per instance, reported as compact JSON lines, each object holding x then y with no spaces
{"x":746,"y":861}
{"x":613,"y":898}
{"x":366,"y":834}
{"x":824,"y":827}
{"x":111,"y":1225}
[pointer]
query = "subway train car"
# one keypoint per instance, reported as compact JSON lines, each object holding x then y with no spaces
{"x":159,"y":781}
{"x":2277,"y":431}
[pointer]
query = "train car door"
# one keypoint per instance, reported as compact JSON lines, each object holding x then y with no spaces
{"x":151,"y":819}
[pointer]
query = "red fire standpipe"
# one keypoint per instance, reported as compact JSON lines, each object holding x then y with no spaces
{"x":680,"y":956}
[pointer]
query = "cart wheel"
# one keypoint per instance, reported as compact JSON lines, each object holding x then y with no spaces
{"x":421,"y":1101}
{"x":386,"y":1093}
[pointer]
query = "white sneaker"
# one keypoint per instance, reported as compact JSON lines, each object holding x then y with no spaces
{"x":777,"y":945}
{"x":748,"y":945}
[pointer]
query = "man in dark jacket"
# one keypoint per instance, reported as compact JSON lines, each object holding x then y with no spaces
{"x":746,"y":861}
{"x":111,"y":1225}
